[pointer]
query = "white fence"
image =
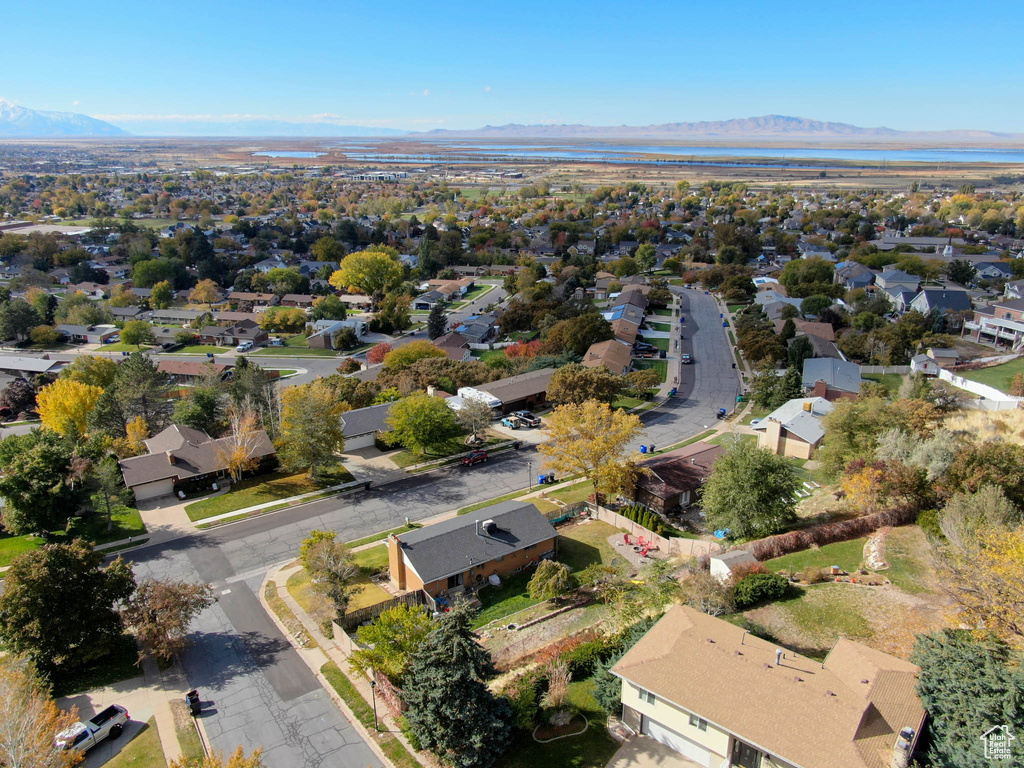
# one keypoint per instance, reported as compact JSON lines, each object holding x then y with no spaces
{"x":991,"y":405}
{"x":984,"y":390}
{"x":901,"y":369}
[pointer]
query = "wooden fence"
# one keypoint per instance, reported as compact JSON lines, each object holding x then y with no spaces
{"x":358,"y":617}
{"x":679,"y":546}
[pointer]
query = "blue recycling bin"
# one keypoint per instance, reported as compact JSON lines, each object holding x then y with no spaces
{"x":643,"y":449}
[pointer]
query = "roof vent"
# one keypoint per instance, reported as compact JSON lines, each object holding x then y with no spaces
{"x":798,"y":679}
{"x":829,"y":693}
{"x":865,"y":681}
{"x":490,"y":527}
{"x":767,"y":665}
{"x":710,"y":640}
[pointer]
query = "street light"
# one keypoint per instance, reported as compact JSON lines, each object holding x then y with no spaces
{"x":529,"y":473}
{"x":373,"y":690}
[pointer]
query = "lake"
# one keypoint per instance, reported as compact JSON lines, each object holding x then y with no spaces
{"x":288,"y":153}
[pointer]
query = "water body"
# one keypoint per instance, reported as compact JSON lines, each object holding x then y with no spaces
{"x":288,"y":153}
{"x":470,"y":151}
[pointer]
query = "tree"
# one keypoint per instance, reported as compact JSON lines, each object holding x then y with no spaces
{"x":58,"y":605}
{"x":551,"y":580}
{"x":791,"y":387}
{"x":283,"y":318}
{"x":646,"y":257}
{"x":78,"y":309}
{"x":216,"y":760}
{"x":800,"y":350}
{"x":327,"y":248}
{"x":371,"y":272}
{"x":206,"y":292}
{"x":388,"y":644}
{"x":45,"y":335}
{"x":576,"y":334}
{"x":29,"y":719}
{"x":18,"y":396}
{"x":92,"y":370}
{"x":451,"y":711}
{"x":328,"y":307}
{"x":437,"y":323}
{"x":961,"y":271}
{"x":161,"y":295}
{"x":968,"y":515}
{"x":137,"y":332}
{"x":377,"y":353}
{"x":17,"y":319}
{"x":311,"y":431}
{"x":474,"y":416}
{"x":813,"y":305}
{"x":576,"y":384}
{"x":640,"y":383}
{"x":750,"y":492}
{"x":138,"y":389}
{"x":404,"y":356}
{"x":160,"y":612}
{"x":202,"y":407}
{"x":590,"y":439}
{"x":420,"y":422}
{"x":37,"y":483}
{"x":251,"y":388}
{"x":987,"y":580}
{"x":851,"y":432}
{"x":110,"y":491}
{"x":238,"y":450}
{"x":988,"y":463}
{"x":331,"y":567}
{"x":392,"y":313}
{"x":968,"y":684}
{"x":707,"y":594}
{"x":65,"y":405}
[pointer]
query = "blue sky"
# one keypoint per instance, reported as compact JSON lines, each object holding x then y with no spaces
{"x":929,"y":66}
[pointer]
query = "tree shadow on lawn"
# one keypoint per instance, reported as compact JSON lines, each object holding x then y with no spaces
{"x":577,"y":554}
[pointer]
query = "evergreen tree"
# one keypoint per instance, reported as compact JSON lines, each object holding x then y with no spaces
{"x":788,"y":329}
{"x":800,"y":350}
{"x":967,"y":685}
{"x":790,"y":387}
{"x":139,"y":389}
{"x":436,"y":322}
{"x":451,"y":711}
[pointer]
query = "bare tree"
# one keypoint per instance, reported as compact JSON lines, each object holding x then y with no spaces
{"x":238,"y":450}
{"x":474,"y":416}
{"x":160,"y":613}
{"x":29,"y":720}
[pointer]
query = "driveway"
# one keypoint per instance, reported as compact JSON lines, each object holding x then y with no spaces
{"x":645,"y":752}
{"x":140,"y":699}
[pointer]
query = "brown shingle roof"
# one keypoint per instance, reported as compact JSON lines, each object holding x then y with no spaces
{"x":844,"y":713}
{"x":683,"y":469}
{"x":615,"y":354}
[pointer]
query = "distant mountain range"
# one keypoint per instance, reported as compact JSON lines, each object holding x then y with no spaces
{"x":18,"y":122}
{"x":768,"y":127}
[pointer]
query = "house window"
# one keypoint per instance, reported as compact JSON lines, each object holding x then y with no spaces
{"x":698,"y":723}
{"x":647,"y":697}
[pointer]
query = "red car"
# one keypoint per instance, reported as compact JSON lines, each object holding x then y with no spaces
{"x":474,"y":457}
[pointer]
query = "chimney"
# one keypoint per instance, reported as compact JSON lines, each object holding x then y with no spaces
{"x":170,"y":458}
{"x":809,"y":406}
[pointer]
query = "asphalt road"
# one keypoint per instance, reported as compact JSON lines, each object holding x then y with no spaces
{"x":261,"y":692}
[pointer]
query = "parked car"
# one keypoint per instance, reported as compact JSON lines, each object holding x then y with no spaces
{"x":528,"y":418}
{"x":109,"y":723}
{"x":685,"y":358}
{"x":245,"y":346}
{"x":474,"y":457}
{"x":511,"y":422}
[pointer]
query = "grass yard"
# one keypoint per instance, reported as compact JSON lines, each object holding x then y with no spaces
{"x":665,"y":327}
{"x":661,"y":366}
{"x":733,"y":308}
{"x":13,"y":546}
{"x":756,"y":412}
{"x":998,"y":376}
{"x":523,"y":336}
{"x":259,"y":490}
{"x":294,"y":352}
{"x":628,"y":402}
{"x":891,"y":381}
{"x":662,"y":312}
{"x":728,"y":438}
{"x":661,"y":344}
{"x":491,"y":502}
{"x":143,"y":751}
{"x":202,"y":349}
{"x":121,"y":663}
{"x":488,"y":354}
{"x":907,"y":552}
{"x":365,"y":594}
{"x":451,"y":447}
{"x":122,"y":347}
{"x":848,"y":555}
{"x":591,"y":749}
{"x":126,"y":521}
{"x":825,"y":609}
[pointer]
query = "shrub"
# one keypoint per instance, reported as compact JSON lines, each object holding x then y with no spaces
{"x":643,"y":516}
{"x":410,"y":735}
{"x":928,"y":519}
{"x":582,"y":659}
{"x":758,"y":587}
{"x":812,"y":576}
{"x":522,"y":695}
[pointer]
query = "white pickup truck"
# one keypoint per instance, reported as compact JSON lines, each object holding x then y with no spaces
{"x":107,"y":724}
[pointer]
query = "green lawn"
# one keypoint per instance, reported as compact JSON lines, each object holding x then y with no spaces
{"x":661,"y":344}
{"x":891,"y":381}
{"x":663,"y":312}
{"x":591,"y":749}
{"x":299,"y":341}
{"x":126,"y":521}
{"x":521,"y":336}
{"x":294,"y":352}
{"x":202,"y":349}
{"x":659,"y":327}
{"x":143,"y":751}
{"x":661,"y":366}
{"x":13,"y":546}
{"x":756,"y":412}
{"x":826,"y":608}
{"x":848,"y":555}
{"x":998,"y":376}
{"x":735,"y":307}
{"x":628,"y":402}
{"x":122,"y":347}
{"x":488,"y":354}
{"x":451,"y":447}
{"x":260,"y":490}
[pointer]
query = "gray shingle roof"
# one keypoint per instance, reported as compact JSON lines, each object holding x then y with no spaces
{"x":839,"y":374}
{"x":363,"y":420}
{"x":453,"y":546}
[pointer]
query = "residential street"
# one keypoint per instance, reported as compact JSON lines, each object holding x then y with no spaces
{"x":262,"y":693}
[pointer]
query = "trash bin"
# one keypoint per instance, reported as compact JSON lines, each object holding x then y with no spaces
{"x":650,"y":449}
{"x":192,"y":699}
{"x":541,"y":479}
{"x":516,"y":445}
{"x":643,"y":449}
{"x":551,"y":478}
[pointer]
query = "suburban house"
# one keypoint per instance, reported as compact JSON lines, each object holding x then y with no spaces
{"x":795,"y":428}
{"x":724,"y":564}
{"x":229,"y":336}
{"x":185,"y":371}
{"x":894,"y":278}
{"x":88,"y":334}
{"x":943,"y":355}
{"x":464,"y":551}
{"x":428,"y":300}
{"x":924,"y":365}
{"x":1001,"y":323}
{"x":361,"y":425}
{"x":323,"y":333}
{"x":718,"y":695}
{"x":477,"y":328}
{"x":256,"y":299}
{"x":181,"y":458}
{"x":26,"y":367}
{"x":852,"y":274}
{"x":993,"y":270}
{"x":523,"y":392}
{"x":943,"y":301}
{"x":127,"y":313}
{"x":300,"y":300}
{"x":455,"y":345}
{"x":452,"y":290}
{"x":675,"y":477}
{"x":614,"y":354}
{"x":830,"y":378}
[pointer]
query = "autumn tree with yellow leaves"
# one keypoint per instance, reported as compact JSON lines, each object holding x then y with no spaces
{"x":64,"y":405}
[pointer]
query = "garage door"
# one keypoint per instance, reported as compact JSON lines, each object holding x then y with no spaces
{"x":679,"y":743}
{"x":154,"y":490}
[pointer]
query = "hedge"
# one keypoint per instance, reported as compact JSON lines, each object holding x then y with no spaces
{"x":827,"y":533}
{"x":641,"y":515}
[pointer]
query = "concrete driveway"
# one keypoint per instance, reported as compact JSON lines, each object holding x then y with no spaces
{"x":141,"y":701}
{"x":645,"y":752}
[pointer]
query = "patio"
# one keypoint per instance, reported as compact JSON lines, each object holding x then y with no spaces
{"x":645,"y":752}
